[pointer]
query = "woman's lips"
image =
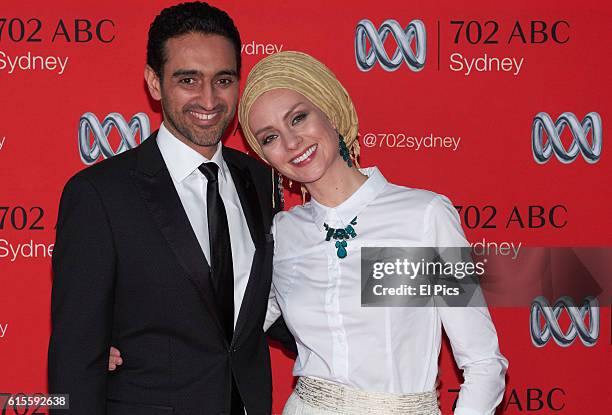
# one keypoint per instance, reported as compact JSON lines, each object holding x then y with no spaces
{"x":306,"y":157}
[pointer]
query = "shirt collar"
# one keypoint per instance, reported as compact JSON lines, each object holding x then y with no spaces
{"x":351,"y":207}
{"x":181,"y":159}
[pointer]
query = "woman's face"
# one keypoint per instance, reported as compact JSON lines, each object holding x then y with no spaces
{"x":295,"y":136}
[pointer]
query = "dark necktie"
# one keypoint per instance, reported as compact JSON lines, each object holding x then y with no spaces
{"x":221,"y":267}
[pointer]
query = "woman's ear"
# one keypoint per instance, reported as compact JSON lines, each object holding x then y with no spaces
{"x":333,"y":123}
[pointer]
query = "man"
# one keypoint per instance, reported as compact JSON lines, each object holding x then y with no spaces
{"x":164,"y":251}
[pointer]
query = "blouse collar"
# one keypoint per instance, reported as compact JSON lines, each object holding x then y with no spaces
{"x":347,"y":210}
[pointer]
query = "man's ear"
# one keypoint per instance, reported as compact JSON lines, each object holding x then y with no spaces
{"x":153,"y":83}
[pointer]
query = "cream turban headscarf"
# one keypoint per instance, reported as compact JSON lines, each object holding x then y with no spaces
{"x":304,"y":74}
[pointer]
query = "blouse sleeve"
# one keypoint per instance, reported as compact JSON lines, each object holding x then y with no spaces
{"x":470,"y":329}
{"x":273,"y":312}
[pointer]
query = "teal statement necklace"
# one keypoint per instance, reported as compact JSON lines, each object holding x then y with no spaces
{"x":341,"y":235}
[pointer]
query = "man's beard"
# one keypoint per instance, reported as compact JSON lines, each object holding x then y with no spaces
{"x":201,"y":137}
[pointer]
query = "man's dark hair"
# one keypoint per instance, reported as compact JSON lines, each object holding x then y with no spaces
{"x":184,"y":18}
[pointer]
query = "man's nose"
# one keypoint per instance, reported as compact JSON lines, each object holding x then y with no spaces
{"x":208,"y":97}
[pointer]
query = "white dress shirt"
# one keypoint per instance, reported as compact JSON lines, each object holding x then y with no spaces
{"x":378,"y":349}
{"x":183,"y":162}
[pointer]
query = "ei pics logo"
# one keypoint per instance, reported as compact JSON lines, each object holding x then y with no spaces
{"x":366,"y":59}
{"x":90,"y":126}
{"x":542,"y":152}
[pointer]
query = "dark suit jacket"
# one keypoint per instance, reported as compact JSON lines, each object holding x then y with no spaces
{"x":128,"y":271}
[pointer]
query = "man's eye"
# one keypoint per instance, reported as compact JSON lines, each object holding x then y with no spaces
{"x":298,"y":118}
{"x":225,"y":81}
{"x":187,"y":81}
{"x":268,"y":139}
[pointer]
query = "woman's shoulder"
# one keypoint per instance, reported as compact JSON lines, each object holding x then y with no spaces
{"x":435,"y":211}
{"x":290,"y":230}
{"x":293,"y":218}
{"x":415,"y":199}
{"x":295,"y":213}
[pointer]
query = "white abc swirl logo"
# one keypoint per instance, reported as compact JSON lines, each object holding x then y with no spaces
{"x":577,"y":327}
{"x":403,"y":37}
{"x":89,"y":125}
{"x":543,"y":151}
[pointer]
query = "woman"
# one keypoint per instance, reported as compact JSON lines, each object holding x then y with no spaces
{"x":352,"y":359}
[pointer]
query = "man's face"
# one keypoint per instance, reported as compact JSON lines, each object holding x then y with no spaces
{"x":199,"y":89}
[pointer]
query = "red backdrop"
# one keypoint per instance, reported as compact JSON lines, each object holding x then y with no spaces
{"x":64,"y":58}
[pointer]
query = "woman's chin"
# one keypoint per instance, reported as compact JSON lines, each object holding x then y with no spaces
{"x":305,"y":179}
{"x":303,"y":175}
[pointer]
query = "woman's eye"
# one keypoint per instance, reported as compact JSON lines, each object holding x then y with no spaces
{"x":268,"y":138}
{"x":298,"y":118}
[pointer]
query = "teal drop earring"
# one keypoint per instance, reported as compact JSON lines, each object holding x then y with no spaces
{"x":344,"y":152}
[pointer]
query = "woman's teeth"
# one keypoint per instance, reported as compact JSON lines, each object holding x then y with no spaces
{"x":304,"y":156}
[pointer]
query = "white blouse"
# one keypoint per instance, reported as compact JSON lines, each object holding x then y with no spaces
{"x":378,"y":349}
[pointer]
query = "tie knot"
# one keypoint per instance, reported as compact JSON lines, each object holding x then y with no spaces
{"x":210,"y":170}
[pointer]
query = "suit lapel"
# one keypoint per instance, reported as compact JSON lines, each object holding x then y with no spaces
{"x":162,"y":200}
{"x":249,"y":202}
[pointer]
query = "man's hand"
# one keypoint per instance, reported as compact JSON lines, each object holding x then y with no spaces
{"x":114,"y":360}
